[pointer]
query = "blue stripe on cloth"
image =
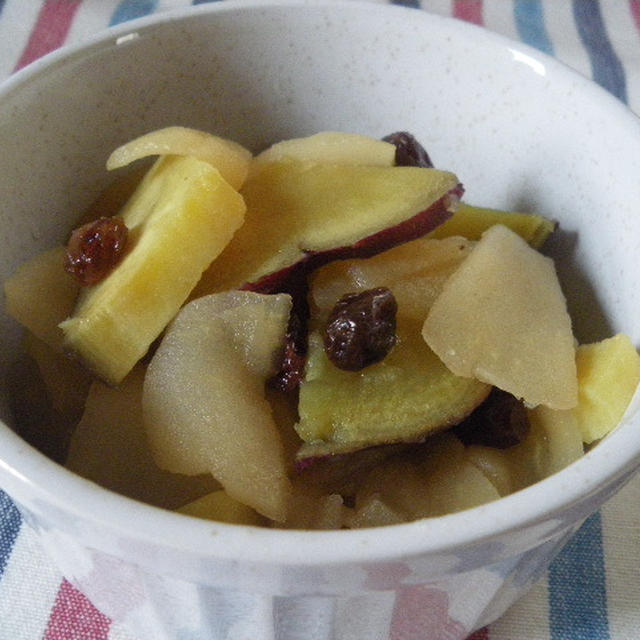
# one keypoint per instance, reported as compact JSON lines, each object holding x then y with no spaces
{"x":414,"y":4}
{"x":577,"y":587}
{"x":529,"y":19}
{"x":606,"y":68}
{"x":9,"y":527}
{"x":130,"y":9}
{"x":1,"y":5}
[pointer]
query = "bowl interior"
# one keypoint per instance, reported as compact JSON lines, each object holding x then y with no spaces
{"x":521,"y":131}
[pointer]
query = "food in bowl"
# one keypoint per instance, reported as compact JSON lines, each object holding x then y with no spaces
{"x":357,"y":348}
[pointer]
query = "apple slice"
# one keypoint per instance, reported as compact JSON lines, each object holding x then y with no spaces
{"x":342,"y":474}
{"x":372,"y":511}
{"x":179,"y":219}
{"x":553,"y":442}
{"x":301,"y":215}
{"x":415,"y":272}
{"x":204,"y":399}
{"x":229,"y":158}
{"x":557,"y":438}
{"x":332,"y":147}
{"x":41,"y":294}
{"x":311,"y":508}
{"x":221,"y":507}
{"x":502,"y":318}
{"x":495,"y":466}
{"x":109,"y":446}
{"x":436,"y":479}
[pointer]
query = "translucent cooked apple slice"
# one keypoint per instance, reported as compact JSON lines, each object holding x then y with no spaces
{"x":502,"y":318}
{"x":372,"y":511}
{"x":332,"y":147}
{"x":311,"y":508}
{"x":221,"y":507}
{"x":41,"y":294}
{"x":180,"y":218}
{"x":204,"y":400}
{"x":301,"y":215}
{"x":415,"y":272}
{"x":436,"y":479}
{"x":557,"y":438}
{"x":229,"y":158}
{"x":109,"y":447}
{"x":553,"y":442}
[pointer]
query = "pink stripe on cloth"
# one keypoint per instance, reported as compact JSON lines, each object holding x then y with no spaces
{"x":73,"y":617}
{"x":50,"y":31}
{"x":468,"y":10}
{"x":634,"y":5}
{"x":422,"y":613}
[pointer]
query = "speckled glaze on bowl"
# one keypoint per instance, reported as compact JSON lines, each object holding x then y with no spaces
{"x":520,"y":130}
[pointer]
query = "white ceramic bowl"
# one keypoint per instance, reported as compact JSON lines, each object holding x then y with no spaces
{"x":520,"y":130}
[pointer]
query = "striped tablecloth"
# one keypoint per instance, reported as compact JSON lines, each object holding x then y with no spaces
{"x":592,"y":591}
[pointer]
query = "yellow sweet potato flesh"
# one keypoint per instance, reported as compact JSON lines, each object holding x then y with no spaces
{"x":179,"y":219}
{"x":297,"y":207}
{"x":608,"y":376}
{"x":410,"y":393}
{"x":471,"y":222}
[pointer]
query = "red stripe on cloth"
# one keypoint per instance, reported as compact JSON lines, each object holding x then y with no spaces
{"x":73,"y":617}
{"x":482,"y":634}
{"x":634,"y":5}
{"x":422,"y":613}
{"x":50,"y":30}
{"x":468,"y":10}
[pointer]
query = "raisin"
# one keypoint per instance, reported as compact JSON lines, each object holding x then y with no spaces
{"x":500,"y":422}
{"x":95,"y":248}
{"x":361,"y":329}
{"x":294,"y":356}
{"x":409,"y":152}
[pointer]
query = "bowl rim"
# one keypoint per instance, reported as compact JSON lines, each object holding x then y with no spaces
{"x":33,"y":474}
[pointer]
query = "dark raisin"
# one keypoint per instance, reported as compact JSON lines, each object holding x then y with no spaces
{"x":409,"y":152}
{"x":294,"y":354}
{"x":361,"y":329}
{"x":500,"y":422}
{"x":95,"y":248}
